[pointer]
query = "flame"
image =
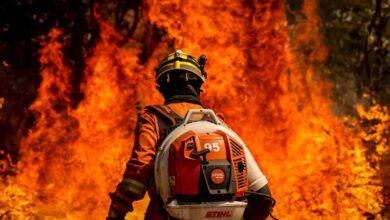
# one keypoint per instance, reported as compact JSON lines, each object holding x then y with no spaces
{"x":378,"y":130}
{"x":269,"y":92}
{"x":69,"y":151}
{"x":374,"y":131}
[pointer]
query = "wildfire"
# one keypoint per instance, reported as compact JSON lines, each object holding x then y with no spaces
{"x":269,"y":93}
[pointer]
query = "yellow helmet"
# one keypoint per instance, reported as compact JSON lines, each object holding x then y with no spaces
{"x":182,"y":61}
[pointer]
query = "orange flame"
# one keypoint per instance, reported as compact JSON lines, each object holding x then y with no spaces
{"x":74,"y":148}
{"x":277,"y":101}
{"x":269,"y":92}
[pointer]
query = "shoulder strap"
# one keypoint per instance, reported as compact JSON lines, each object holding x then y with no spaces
{"x":166,"y":112}
{"x":167,"y":119}
{"x":162,"y":112}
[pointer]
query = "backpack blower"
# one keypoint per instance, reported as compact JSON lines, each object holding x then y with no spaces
{"x":203,"y":169}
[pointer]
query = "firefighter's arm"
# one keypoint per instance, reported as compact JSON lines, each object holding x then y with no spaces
{"x":139,"y":169}
{"x":260,"y":201}
{"x":260,"y":204}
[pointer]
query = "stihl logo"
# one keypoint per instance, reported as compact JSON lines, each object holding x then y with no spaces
{"x":218,"y":214}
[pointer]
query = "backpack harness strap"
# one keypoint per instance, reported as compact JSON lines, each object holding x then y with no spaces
{"x":167,"y":120}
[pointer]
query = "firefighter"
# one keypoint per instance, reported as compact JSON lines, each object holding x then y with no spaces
{"x":179,"y":78}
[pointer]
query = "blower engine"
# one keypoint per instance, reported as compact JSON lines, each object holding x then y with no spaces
{"x":202,"y":169}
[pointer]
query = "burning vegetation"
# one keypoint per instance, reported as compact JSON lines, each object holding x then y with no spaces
{"x":319,"y":165}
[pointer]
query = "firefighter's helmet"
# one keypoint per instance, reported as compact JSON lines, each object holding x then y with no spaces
{"x":181,"y":63}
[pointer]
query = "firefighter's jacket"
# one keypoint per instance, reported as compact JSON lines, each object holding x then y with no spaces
{"x":139,"y":174}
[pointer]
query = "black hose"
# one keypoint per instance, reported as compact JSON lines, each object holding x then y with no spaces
{"x":268,"y":197}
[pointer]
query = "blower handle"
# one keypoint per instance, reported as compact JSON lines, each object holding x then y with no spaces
{"x":200,"y":153}
{"x":210,"y":112}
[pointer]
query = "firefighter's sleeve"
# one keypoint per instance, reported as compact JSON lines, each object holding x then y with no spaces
{"x":139,"y":168}
{"x":260,"y":204}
